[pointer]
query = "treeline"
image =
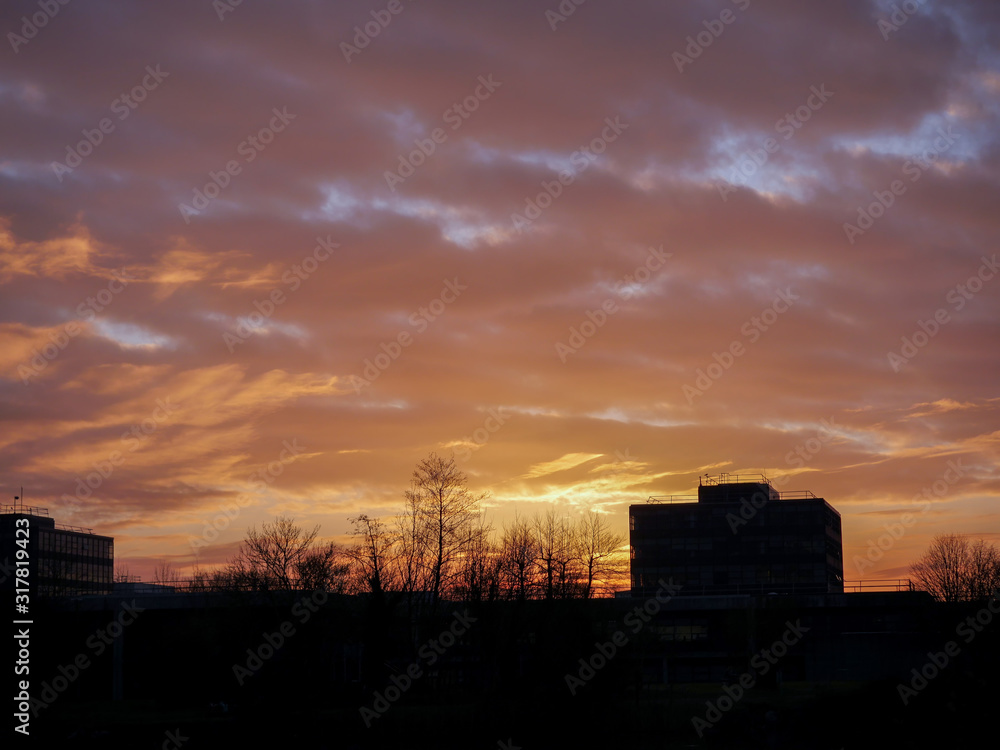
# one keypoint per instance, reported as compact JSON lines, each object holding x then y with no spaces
{"x":440,"y":547}
{"x":956,"y":569}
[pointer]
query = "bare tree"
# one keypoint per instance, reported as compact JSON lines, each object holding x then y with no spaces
{"x":601,"y":558}
{"x":557,"y":560}
{"x":984,"y":570}
{"x":441,"y":545}
{"x":123,"y":575}
{"x":412,"y":559}
{"x":201,"y":580}
{"x":954,"y":569}
{"x":323,"y":569}
{"x":374,"y":556}
{"x":164,"y":573}
{"x":269,"y":559}
{"x":442,"y":510}
{"x":518,"y":556}
{"x":479,"y":569}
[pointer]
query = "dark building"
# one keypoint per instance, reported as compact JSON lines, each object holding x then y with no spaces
{"x":62,"y":560}
{"x":739,"y":536}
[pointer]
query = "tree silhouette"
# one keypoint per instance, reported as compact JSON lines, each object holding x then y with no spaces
{"x":557,"y":555}
{"x":281,"y":557}
{"x":479,"y":570}
{"x":954,"y":569}
{"x":164,"y":573}
{"x":599,"y":550}
{"x":441,"y":546}
{"x":441,"y":512}
{"x":323,"y":569}
{"x":122,"y":574}
{"x":518,"y":561}
{"x":374,"y":555}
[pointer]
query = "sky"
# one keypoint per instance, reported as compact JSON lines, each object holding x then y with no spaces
{"x":262,"y":258}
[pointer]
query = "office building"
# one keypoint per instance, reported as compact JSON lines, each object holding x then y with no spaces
{"x":738,"y":536}
{"x":62,"y":560}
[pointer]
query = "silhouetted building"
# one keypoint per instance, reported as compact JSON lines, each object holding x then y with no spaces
{"x":737,"y":537}
{"x":62,"y":560}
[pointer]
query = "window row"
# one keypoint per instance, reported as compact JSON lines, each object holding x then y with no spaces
{"x":75,"y":544}
{"x":61,"y":570}
{"x":739,"y":544}
{"x":729,"y":575}
{"x":683,"y":629}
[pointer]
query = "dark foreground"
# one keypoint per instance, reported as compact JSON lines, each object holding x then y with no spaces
{"x":248,"y":673}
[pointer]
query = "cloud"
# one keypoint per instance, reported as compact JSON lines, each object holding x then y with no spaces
{"x":569,"y":461}
{"x":246,"y":265}
{"x":71,"y":254}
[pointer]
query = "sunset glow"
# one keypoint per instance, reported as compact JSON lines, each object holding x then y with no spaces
{"x":256,"y":259}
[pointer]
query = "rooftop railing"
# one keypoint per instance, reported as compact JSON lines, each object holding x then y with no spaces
{"x":726,"y":478}
{"x":78,"y":529}
{"x":880,"y":584}
{"x":763,"y":589}
{"x":670,"y":499}
{"x":796,"y":495}
{"x":34,"y":510}
{"x":27,"y":510}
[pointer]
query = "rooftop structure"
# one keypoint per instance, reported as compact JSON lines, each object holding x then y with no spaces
{"x":739,"y":535}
